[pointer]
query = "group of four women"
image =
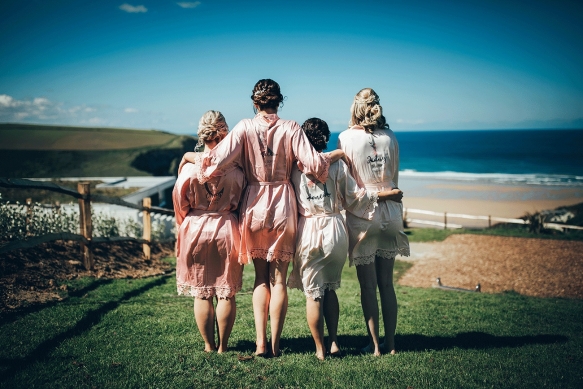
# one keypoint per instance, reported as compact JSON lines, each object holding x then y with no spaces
{"x":239,"y":201}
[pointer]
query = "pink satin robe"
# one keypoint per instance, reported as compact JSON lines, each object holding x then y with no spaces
{"x":208,"y":232}
{"x":266,"y":148}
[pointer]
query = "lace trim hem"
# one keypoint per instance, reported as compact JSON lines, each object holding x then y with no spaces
{"x":381,"y":253}
{"x":316,"y":293}
{"x":268,"y":255}
{"x":206,"y":292}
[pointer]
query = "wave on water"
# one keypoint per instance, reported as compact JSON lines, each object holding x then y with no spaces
{"x":499,"y":178}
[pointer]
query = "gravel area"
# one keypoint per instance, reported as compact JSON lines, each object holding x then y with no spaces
{"x":533,"y":267}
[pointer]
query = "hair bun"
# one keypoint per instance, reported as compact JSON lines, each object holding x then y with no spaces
{"x":266,"y":94}
{"x":366,"y":111}
{"x":317,"y":132}
{"x":212,"y":126}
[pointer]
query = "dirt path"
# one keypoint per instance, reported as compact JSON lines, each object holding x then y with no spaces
{"x":533,"y":267}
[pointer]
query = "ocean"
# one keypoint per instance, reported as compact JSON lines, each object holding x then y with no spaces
{"x":521,"y":157}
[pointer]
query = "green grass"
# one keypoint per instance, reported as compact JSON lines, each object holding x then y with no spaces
{"x":437,"y":235}
{"x":16,"y":136}
{"x":140,"y":334}
{"x":58,"y":151}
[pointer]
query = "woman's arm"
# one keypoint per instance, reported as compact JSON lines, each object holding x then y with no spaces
{"x":186,"y":158}
{"x":395,"y":195}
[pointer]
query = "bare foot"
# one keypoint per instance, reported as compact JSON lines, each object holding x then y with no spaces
{"x":209,"y":348}
{"x":320,"y":356}
{"x":385,"y":350}
{"x":261,"y":351}
{"x":334,"y":349}
{"x":222,"y":349}
{"x":370,"y":348}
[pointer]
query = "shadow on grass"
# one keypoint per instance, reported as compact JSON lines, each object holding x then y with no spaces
{"x":352,"y":345}
{"x":12,"y":316}
{"x":471,"y":340}
{"x":92,"y":318}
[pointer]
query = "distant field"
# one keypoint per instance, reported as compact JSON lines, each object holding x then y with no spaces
{"x":36,"y":137}
{"x":59,"y":151}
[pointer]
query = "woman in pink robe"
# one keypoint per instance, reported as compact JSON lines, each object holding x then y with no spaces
{"x":208,"y":238}
{"x":266,"y":148}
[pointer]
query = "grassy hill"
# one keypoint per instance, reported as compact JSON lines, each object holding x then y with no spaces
{"x":58,"y":151}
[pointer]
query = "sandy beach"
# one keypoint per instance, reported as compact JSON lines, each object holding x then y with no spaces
{"x":483,"y":198}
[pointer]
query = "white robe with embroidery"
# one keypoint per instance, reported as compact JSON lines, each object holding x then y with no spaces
{"x":374,"y":163}
{"x":322,"y":243}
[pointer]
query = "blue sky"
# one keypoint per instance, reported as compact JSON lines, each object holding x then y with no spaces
{"x":161,"y":64}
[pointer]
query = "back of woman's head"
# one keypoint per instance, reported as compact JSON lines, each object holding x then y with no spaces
{"x":266,"y":94}
{"x":212,"y":126}
{"x":317,"y":132}
{"x":366,"y":111}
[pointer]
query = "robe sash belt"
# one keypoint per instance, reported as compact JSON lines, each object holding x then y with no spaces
{"x":200,"y":212}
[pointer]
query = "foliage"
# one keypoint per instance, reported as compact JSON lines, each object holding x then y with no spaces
{"x":21,"y":221}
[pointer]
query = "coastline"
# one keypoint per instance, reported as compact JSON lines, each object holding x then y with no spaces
{"x":484,"y":198}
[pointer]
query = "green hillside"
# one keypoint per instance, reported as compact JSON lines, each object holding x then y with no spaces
{"x":58,"y":151}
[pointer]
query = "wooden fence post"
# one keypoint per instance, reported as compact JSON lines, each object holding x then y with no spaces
{"x":85,"y":226}
{"x":445,"y":220}
{"x":489,"y":221}
{"x":147,"y":221}
{"x":28,"y":216}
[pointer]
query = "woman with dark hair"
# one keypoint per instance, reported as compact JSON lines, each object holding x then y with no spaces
{"x":208,"y":240}
{"x":322,"y":241}
{"x":373,"y":152}
{"x":266,"y":148}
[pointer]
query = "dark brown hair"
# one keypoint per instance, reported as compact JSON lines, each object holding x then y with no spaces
{"x":317,"y":132}
{"x":266,"y":94}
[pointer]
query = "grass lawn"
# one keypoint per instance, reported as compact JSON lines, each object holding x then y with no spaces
{"x":140,"y":334}
{"x":518,"y":231}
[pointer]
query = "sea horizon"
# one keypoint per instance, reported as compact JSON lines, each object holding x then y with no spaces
{"x":512,"y":156}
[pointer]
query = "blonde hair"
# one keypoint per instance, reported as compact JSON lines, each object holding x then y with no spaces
{"x":366,"y":111}
{"x":211,"y":126}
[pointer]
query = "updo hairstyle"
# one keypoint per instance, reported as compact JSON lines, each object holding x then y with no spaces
{"x":266,"y":94}
{"x":317,"y":132}
{"x":212,"y":126}
{"x":367,"y":112}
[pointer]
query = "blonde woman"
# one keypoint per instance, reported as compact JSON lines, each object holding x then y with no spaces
{"x":208,"y":241}
{"x":266,"y":147}
{"x":373,"y":152}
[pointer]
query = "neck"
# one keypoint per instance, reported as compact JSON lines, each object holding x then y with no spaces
{"x":267,"y":111}
{"x":208,"y":146}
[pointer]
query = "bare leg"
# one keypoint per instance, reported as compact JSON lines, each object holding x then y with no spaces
{"x":204,"y":314}
{"x":226,"y":309}
{"x":384,"y":269}
{"x":261,"y":298}
{"x":315,"y":316}
{"x":278,"y":302}
{"x":332,"y":314}
{"x":368,"y":298}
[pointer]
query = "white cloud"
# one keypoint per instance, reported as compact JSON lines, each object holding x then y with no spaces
{"x":6,"y":101}
{"x":40,"y":109}
{"x":133,"y":8}
{"x":40,"y":101}
{"x":189,"y":4}
{"x":130,"y":110}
